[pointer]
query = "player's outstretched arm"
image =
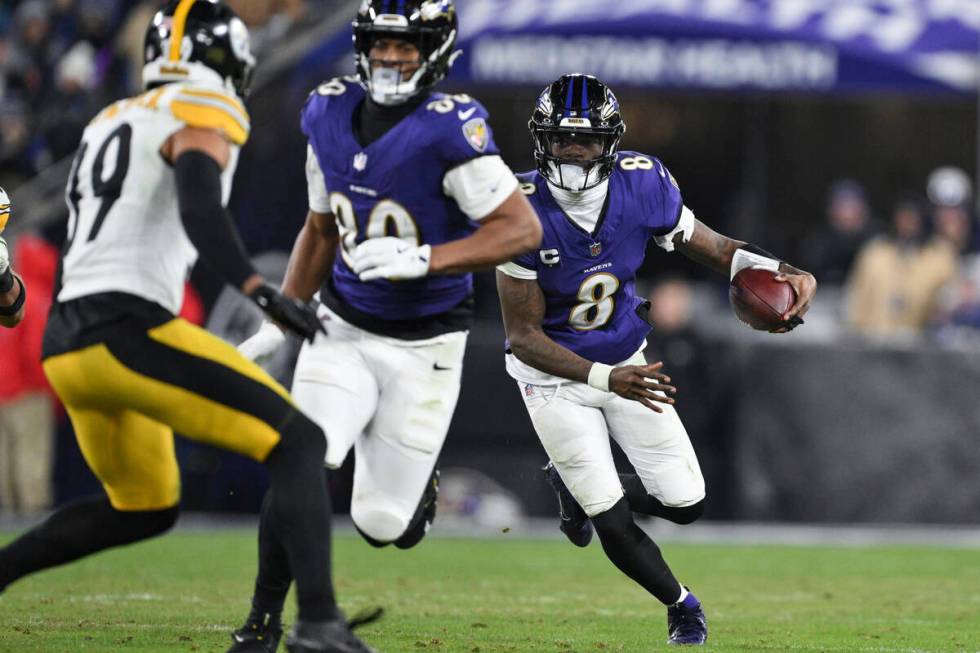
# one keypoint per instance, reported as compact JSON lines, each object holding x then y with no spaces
{"x":511,"y":230}
{"x":716,"y":251}
{"x":198,"y":156}
{"x":523,"y":306}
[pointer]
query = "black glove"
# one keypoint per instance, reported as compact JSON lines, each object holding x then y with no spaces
{"x":290,"y":313}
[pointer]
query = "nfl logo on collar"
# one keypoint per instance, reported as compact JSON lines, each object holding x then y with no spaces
{"x":595,"y":249}
{"x":360,"y":161}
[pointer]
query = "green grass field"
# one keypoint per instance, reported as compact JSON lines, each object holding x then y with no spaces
{"x":184,"y":592}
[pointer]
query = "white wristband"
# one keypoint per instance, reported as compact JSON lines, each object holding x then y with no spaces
{"x":599,"y":376}
{"x":744,"y":259}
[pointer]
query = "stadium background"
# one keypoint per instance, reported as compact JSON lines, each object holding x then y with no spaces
{"x":760,"y":109}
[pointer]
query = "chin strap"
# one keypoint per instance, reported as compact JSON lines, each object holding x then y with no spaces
{"x":9,"y":311}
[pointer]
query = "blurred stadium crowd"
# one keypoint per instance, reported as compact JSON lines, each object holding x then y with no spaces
{"x":63,"y":60}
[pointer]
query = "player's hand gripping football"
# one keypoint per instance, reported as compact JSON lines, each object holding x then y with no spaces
{"x":290,"y":313}
{"x":646,"y":384}
{"x":391,"y":258}
{"x":805,"y":286}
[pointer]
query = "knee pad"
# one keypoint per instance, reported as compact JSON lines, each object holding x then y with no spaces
{"x":377,"y":520}
{"x":684,"y":514}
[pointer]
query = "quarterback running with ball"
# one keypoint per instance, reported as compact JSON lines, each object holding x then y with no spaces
{"x":576,"y":332}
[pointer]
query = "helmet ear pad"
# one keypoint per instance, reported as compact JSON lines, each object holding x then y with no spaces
{"x":576,"y":105}
{"x":214,"y":46}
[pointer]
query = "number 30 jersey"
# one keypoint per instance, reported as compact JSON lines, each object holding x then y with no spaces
{"x":429,"y":179}
{"x":125,"y":232}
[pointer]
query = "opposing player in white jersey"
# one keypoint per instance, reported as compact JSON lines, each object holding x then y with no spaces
{"x":13,"y":292}
{"x":577,"y":329}
{"x":146,"y":196}
{"x":407,"y":195}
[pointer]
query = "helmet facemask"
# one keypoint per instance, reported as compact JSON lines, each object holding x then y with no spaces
{"x":576,"y":126}
{"x":575,"y":160}
{"x":430,"y":27}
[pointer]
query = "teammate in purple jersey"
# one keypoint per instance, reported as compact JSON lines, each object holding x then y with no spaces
{"x":407,"y":196}
{"x":576,"y":332}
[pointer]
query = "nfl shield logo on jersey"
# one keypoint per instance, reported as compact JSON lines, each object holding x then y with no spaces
{"x":477,"y":134}
{"x":595,"y":249}
{"x":360,"y":161}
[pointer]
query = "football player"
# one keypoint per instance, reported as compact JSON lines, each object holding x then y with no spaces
{"x":13,"y":292}
{"x":407,"y":195}
{"x":576,"y":332}
{"x":146,"y":196}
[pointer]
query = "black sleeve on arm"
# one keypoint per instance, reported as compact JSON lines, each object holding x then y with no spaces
{"x":206,"y":221}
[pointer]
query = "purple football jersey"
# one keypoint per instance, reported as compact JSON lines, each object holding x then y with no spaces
{"x":589,"y":280}
{"x":393,"y":187}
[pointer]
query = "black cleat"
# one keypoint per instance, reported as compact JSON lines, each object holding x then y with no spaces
{"x":332,"y":636}
{"x":258,"y":635}
{"x":686,"y":624}
{"x":425,"y":515}
{"x":575,"y":524}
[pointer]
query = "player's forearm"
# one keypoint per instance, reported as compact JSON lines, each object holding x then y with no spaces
{"x":309,"y":263}
{"x":508,"y":232}
{"x":709,"y":248}
{"x":206,"y":222}
{"x":539,"y":351}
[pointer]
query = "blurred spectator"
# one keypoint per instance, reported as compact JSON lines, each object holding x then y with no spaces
{"x":26,"y":405}
{"x":64,"y":121}
{"x":830,"y":254}
{"x":894,"y":288}
{"x":949,"y":186}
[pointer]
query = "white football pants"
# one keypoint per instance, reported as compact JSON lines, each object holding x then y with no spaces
{"x":392,"y":400}
{"x":574,"y":422}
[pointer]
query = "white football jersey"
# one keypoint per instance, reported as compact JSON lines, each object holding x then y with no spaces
{"x":125,"y":232}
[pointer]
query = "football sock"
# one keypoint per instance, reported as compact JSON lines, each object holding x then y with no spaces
{"x":641,"y":501}
{"x":274,"y":577}
{"x":299,"y":505}
{"x":635,"y":554}
{"x":689,"y":600}
{"x":76,"y":530}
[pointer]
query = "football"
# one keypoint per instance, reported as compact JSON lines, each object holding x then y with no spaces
{"x":758,"y":299}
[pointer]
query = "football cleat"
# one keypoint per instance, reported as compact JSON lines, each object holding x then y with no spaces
{"x":575,"y":524}
{"x":425,"y":515}
{"x":333,"y":636}
{"x":258,"y":635}
{"x":686,"y":624}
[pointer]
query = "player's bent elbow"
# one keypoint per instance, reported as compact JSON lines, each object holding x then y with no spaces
{"x":532,"y":234}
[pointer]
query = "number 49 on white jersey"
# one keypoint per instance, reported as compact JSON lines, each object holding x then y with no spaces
{"x":124,"y":229}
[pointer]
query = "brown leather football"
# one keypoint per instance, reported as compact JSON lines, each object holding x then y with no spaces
{"x":759,"y":300}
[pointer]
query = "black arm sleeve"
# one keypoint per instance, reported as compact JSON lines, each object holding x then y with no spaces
{"x":206,"y":221}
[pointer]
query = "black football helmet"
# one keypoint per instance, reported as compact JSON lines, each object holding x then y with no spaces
{"x":576,"y":107}
{"x":212,"y":45}
{"x":430,"y":25}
